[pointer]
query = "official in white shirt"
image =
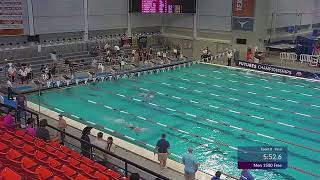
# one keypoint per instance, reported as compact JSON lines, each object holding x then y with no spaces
{"x":10,"y":90}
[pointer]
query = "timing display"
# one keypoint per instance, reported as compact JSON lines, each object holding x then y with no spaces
{"x":163,"y":6}
{"x":262,"y":157}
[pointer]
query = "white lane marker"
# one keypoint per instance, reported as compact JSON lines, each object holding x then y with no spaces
{"x":234,"y":99}
{"x":75,"y":116}
{"x":183,"y":131}
{"x":254,"y":103}
{"x":248,"y":77}
{"x":192,"y":115}
{"x":276,"y":108}
{"x":120,"y":95}
{"x":214,"y":106}
{"x":216,"y":86}
{"x":207,"y":139}
{"x":108,"y":107}
{"x":197,"y":91}
{"x":109,"y":129}
{"x":306,"y":115}
{"x":185,"y":79}
{"x":233,"y":81}
{"x":257,"y":117}
{"x":124,"y":112}
{"x":91,"y":122}
{"x":313,"y":105}
{"x":182,"y":87}
{"x":153,"y":104}
{"x":233,"y":89}
{"x":214,"y":95}
{"x":233,"y":74}
{"x":160,"y":93}
{"x":161,"y":124}
{"x":93,"y":102}
{"x":285,"y":124}
{"x":194,"y":101}
{"x":263,"y":80}
{"x":235,"y":127}
{"x":266,"y":87}
{"x":144,"y":89}
{"x":251,"y":92}
{"x":210,"y":120}
{"x":316,"y":88}
{"x":141,"y":117}
{"x":217,"y":78}
{"x":297,"y":85}
{"x":233,"y":148}
{"x":289,"y":100}
{"x":272,"y":97}
{"x":176,"y":97}
{"x":265,"y":136}
{"x":283,"y":90}
{"x":248,"y":84}
{"x":171,"y":109}
{"x":136,"y":99}
{"x":234,"y":111}
{"x":150,"y":145}
{"x":58,"y":109}
{"x":309,"y":95}
{"x":281,"y":83}
{"x":166,"y":84}
{"x":199,"y":82}
{"x":202,"y":75}
{"x":129,"y":137}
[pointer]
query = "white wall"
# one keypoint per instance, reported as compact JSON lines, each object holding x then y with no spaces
{"x":56,"y":16}
{"x":178,"y":20}
{"x":146,"y":20}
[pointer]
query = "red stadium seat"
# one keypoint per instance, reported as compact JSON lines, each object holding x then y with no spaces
{"x":124,"y":178}
{"x":88,"y":171}
{"x":81,"y":177}
{"x":74,"y":163}
{"x":99,"y":167}
{"x":61,"y":156}
{"x":54,"y":164}
{"x":28,"y":138}
{"x":68,"y":172}
{"x":17,"y":143}
{"x":20,"y":133}
{"x":55,"y":144}
{"x":8,"y":174}
{"x":86,"y":161}
{"x":75,"y":155}
{"x":3,"y":148}
{"x":101,"y":176}
{"x":7,"y":137}
{"x":66,"y":150}
{"x":49,"y":149}
{"x":43,"y":173}
{"x":28,"y":165}
{"x":113,"y":174}
{"x":40,"y":156}
{"x":56,"y":178}
{"x":39,"y":143}
{"x":14,"y":156}
{"x":28,"y":149}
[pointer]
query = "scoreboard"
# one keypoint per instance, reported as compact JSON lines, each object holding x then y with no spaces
{"x":163,"y":6}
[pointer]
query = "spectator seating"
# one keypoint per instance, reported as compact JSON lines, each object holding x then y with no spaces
{"x":26,"y":157}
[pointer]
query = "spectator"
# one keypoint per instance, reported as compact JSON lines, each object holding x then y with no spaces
{"x":175,"y":52}
{"x":62,"y":125}
{"x":29,"y":72}
{"x":134,"y":176}
{"x":117,"y":48}
{"x":190,"y":165}
{"x":30,"y":129}
{"x":245,"y":175}
{"x":9,"y":120}
{"x":85,"y":143}
{"x":10,"y":90}
{"x":22,"y":104}
{"x":23,"y":75}
{"x":162,"y":150}
{"x":110,"y":147}
{"x":229,"y":55}
{"x":42,"y":132}
{"x":12,"y":72}
{"x":99,"y":142}
{"x":217,"y":176}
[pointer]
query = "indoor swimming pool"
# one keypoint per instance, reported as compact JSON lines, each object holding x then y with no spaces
{"x":213,"y":109}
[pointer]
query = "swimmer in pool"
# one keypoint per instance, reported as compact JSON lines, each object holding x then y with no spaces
{"x":149,"y":95}
{"x":137,"y":130}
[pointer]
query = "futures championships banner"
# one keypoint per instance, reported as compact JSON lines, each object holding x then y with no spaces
{"x":243,"y":14}
{"x":11,"y":22}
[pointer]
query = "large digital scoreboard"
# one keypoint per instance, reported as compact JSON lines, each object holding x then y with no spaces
{"x":163,"y":6}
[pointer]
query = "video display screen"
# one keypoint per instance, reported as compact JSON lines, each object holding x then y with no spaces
{"x":163,"y":6}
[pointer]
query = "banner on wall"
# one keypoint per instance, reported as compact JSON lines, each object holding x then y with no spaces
{"x":243,"y":14}
{"x":11,"y":21}
{"x":279,"y":70}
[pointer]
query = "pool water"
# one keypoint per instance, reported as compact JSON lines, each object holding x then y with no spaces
{"x":210,"y":108}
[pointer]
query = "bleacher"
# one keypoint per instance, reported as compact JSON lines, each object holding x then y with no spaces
{"x":25,"y":157}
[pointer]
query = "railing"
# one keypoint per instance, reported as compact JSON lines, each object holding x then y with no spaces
{"x":93,"y":148}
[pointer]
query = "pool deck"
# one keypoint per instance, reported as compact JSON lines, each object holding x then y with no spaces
{"x":143,"y":156}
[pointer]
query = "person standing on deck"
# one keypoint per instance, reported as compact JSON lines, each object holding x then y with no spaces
{"x":190,"y":165}
{"x":162,"y":150}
